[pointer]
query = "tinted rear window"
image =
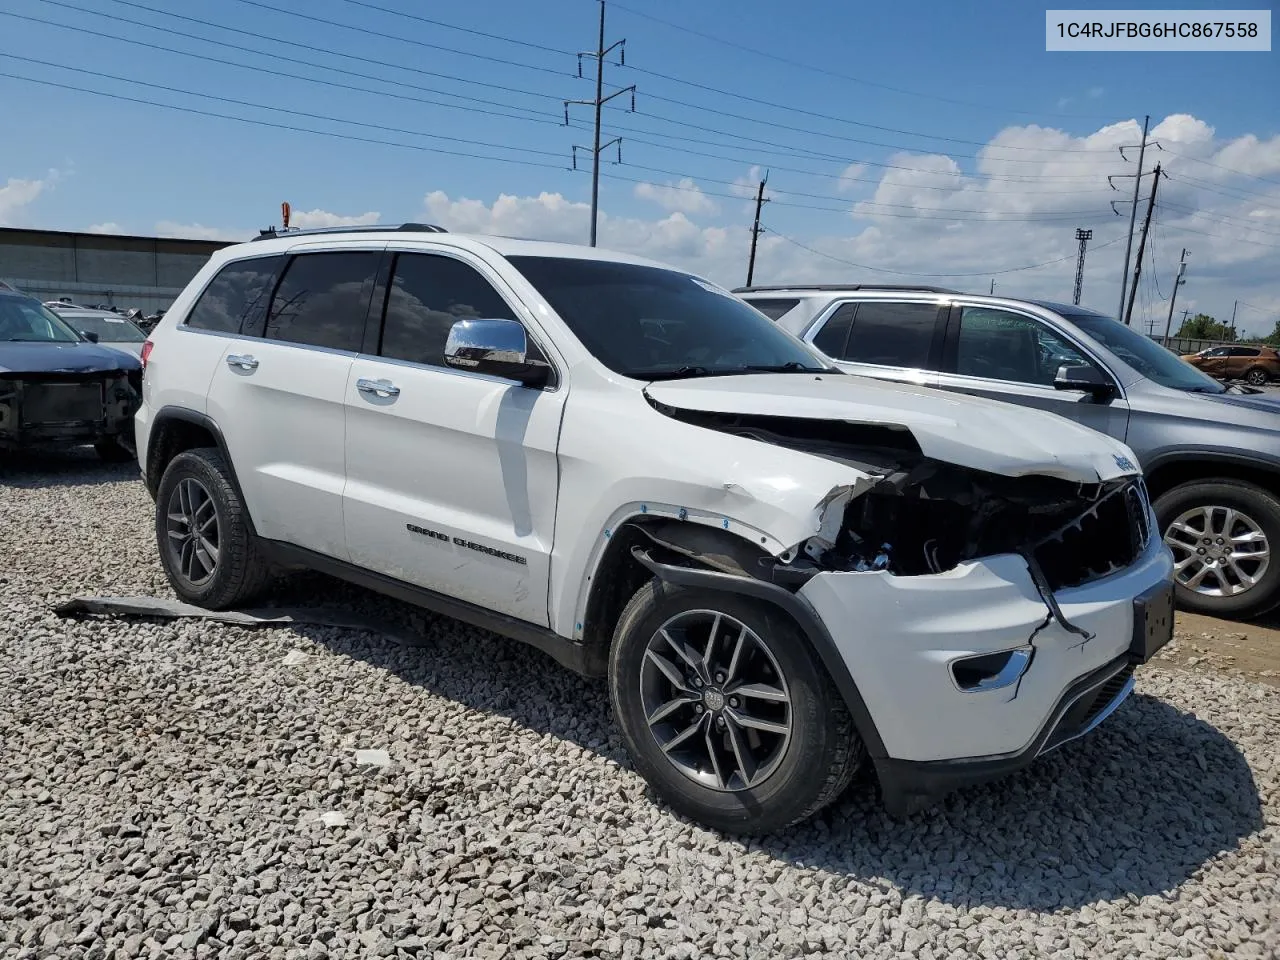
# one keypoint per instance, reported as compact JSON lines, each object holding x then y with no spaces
{"x":238,"y":292}
{"x":892,"y":334}
{"x":323,"y":299}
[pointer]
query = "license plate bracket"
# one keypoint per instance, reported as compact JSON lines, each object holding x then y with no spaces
{"x":1152,"y":622}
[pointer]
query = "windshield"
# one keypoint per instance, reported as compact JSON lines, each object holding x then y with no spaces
{"x":1143,"y":354}
{"x":110,"y":329}
{"x":654,"y":324}
{"x":24,"y":319}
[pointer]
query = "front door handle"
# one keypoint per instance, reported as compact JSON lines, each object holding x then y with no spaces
{"x":243,"y":361}
{"x":377,"y":388}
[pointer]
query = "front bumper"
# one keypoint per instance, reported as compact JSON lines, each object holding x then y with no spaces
{"x":900,"y":636}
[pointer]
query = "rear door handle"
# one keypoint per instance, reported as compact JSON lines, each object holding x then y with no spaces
{"x":377,"y":388}
{"x":243,"y":361}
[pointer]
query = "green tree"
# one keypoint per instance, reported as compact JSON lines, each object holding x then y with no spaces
{"x":1204,"y":327}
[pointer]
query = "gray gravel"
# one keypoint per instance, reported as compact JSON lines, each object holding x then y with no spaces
{"x":193,"y":789}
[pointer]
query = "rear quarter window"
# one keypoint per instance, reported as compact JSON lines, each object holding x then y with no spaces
{"x":235,"y":296}
{"x":775,"y":308}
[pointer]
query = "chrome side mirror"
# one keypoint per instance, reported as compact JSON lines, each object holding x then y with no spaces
{"x":496,"y":347}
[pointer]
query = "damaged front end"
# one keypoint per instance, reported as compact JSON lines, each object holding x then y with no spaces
{"x":59,"y":408}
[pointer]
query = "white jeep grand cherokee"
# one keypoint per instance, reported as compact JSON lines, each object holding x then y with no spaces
{"x":783,"y":570}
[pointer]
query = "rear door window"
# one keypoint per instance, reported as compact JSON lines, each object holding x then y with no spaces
{"x":323,"y":299}
{"x":236,"y":296}
{"x":1000,"y":345}
{"x":893,"y":334}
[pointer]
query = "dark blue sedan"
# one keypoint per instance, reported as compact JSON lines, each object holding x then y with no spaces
{"x":59,"y":387}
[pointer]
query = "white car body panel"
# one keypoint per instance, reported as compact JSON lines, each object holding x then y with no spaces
{"x":968,"y":431}
{"x":899,"y":634}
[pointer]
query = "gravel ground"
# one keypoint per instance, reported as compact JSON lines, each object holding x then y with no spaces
{"x":191,"y":789}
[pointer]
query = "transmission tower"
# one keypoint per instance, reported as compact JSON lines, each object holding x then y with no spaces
{"x":598,"y":54}
{"x":1084,"y":236}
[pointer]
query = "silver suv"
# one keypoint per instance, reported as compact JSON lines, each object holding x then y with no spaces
{"x":1211,"y":452}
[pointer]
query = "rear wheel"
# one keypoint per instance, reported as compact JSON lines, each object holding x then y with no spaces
{"x":1257,"y":377}
{"x":1223,"y":535}
{"x":726,"y":711}
{"x":209,"y":553}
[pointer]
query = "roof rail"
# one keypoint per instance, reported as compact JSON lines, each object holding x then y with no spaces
{"x":843,"y":286}
{"x":271,"y":233}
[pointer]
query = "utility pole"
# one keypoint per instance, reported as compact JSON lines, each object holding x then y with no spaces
{"x":1084,"y":236}
{"x":1234,"y":304}
{"x":993,"y":287}
{"x":1133,"y":210}
{"x":755,"y":229}
{"x":1142,"y":245}
{"x":1173,"y":297}
{"x":600,"y":52}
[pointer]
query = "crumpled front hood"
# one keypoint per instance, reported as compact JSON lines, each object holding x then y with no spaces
{"x":17,"y":358}
{"x":955,"y":428}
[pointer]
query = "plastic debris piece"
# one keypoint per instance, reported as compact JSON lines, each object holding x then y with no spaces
{"x":294,"y":658}
{"x":263,"y":617}
{"x":373,"y":758}
{"x":333,"y":818}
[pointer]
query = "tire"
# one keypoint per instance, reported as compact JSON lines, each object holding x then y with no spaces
{"x":795,"y":775}
{"x":239,"y":572}
{"x":1257,"y":514}
{"x":112,"y":450}
{"x":1257,"y":377}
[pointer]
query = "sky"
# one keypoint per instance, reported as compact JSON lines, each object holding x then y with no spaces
{"x":929,"y":143}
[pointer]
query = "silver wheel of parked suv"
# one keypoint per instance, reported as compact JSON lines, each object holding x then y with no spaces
{"x":726,"y":710}
{"x":715,"y":700}
{"x":1221,"y":534}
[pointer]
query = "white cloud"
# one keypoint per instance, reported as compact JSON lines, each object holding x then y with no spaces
{"x":1096,"y":92}
{"x":684,"y":196}
{"x":307,"y":219}
{"x":18,"y":194}
{"x":852,"y":177}
{"x":109,"y":227}
{"x":198,"y":231}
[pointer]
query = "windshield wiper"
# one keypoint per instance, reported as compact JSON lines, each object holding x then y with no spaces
{"x":679,"y":373}
{"x":791,"y":366}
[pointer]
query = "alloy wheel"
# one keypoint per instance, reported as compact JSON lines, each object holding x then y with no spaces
{"x":1218,"y":551}
{"x":715,"y":700}
{"x":1257,"y":377}
{"x":191,"y":523}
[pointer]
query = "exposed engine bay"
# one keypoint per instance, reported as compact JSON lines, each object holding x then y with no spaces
{"x":917,"y":516}
{"x":57,"y":407}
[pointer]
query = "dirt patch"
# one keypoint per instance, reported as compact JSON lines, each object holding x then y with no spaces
{"x":1204,"y":643}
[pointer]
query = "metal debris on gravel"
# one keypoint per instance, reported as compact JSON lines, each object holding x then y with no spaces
{"x":173,"y":789}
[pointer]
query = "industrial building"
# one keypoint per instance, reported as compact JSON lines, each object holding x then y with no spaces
{"x":99,"y":268}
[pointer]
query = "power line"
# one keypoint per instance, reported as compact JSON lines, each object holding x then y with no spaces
{"x":905,"y":273}
{"x":541,"y":116}
{"x":535,"y":116}
{"x":836,"y":136}
{"x":1210,"y":163}
{"x":453,"y":26}
{"x":281,"y":126}
{"x":826,"y":196}
{"x":1219,"y":218}
{"x":384,"y":36}
{"x":328,"y":51}
{"x":843,"y":210}
{"x":844,"y":76}
{"x":285,"y":110}
{"x":1220,"y":236}
{"x":1231,"y":193}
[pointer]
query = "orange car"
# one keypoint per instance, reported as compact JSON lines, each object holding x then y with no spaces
{"x":1254,"y":365}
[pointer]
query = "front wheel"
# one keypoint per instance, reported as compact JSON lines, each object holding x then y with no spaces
{"x":1223,"y":534}
{"x":726,"y":710}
